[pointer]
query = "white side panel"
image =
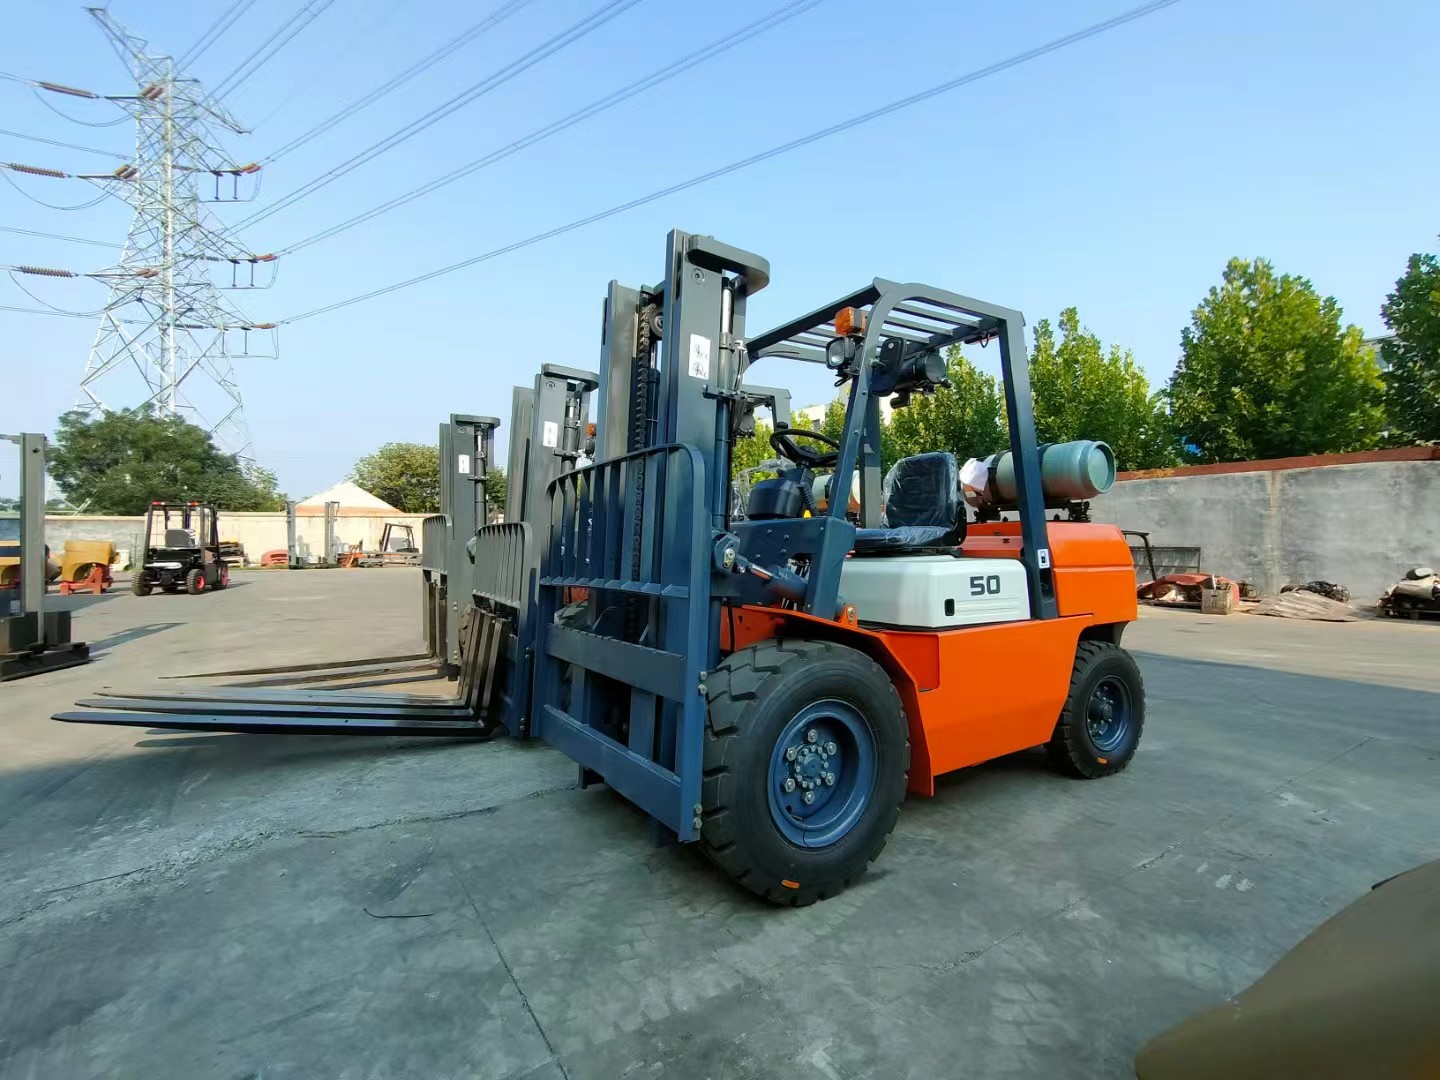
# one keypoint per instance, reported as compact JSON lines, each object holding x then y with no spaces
{"x":934,"y":592}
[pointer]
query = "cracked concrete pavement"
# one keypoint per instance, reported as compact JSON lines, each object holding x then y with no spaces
{"x":183,"y":905}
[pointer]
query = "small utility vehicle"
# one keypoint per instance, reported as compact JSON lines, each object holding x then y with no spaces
{"x":181,"y":550}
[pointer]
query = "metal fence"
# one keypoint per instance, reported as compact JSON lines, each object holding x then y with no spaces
{"x":1153,"y":561}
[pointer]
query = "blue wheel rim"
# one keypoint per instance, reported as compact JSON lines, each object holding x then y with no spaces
{"x":1109,"y":714}
{"x":827,"y":751}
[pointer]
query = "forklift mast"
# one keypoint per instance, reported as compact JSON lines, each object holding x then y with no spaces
{"x":466,"y":452}
{"x":547,"y":439}
{"x":619,"y":686}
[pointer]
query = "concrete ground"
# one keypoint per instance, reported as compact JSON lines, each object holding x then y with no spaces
{"x":232,"y":906}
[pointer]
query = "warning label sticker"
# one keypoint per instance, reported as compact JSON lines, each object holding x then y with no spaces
{"x":462,"y":464}
{"x":550,"y":436}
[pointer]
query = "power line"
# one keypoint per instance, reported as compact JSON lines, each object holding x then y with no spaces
{"x":996,"y":68}
{"x":705,"y":53}
{"x":38,"y":311}
{"x":217,"y":29}
{"x":568,"y":36}
{"x":312,"y":72}
{"x":49,"y":306}
{"x":311,"y":8}
{"x":66,"y":145}
{"x":57,"y":236}
{"x":462,"y":39}
{"x":37,"y":87}
{"x":5,"y":172}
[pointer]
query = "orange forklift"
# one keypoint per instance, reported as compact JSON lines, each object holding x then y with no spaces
{"x":771,"y":687}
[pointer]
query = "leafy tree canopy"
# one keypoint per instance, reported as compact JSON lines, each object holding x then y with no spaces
{"x":406,"y":475}
{"x":119,"y":462}
{"x":1266,"y":371}
{"x":1083,"y":391}
{"x":495,"y":489}
{"x":967,"y":419}
{"x":1412,"y":385}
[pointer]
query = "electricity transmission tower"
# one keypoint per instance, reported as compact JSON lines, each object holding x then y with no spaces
{"x":168,"y":337}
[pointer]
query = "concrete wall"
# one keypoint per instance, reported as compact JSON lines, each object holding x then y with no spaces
{"x":1362,"y":525}
{"x":259,"y":533}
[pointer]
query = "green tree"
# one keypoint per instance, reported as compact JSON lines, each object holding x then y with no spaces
{"x":832,"y":423}
{"x":749,"y":451}
{"x":1081,"y":391}
{"x":118,"y":462}
{"x":495,"y":489}
{"x":406,"y":475}
{"x":1412,"y":385}
{"x":967,"y":419}
{"x":1266,"y":370}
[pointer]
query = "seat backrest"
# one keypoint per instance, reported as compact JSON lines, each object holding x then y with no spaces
{"x":179,"y":538}
{"x":923,"y":489}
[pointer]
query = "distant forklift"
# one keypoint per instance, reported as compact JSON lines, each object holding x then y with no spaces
{"x":181,"y":550}
{"x":397,"y":548}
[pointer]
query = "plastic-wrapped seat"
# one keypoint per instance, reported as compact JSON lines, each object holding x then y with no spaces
{"x":923,"y":509}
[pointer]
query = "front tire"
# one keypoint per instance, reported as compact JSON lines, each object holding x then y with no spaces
{"x":807,"y":751}
{"x":195,"y":582}
{"x":1099,"y":728}
{"x":140,"y":587}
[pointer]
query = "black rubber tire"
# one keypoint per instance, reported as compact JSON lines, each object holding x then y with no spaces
{"x":1070,"y":747}
{"x":195,"y":581}
{"x":140,"y":587}
{"x":222,"y":577}
{"x":752,"y":695}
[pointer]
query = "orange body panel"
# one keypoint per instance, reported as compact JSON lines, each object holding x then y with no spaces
{"x":979,"y":692}
{"x":1094,"y":572}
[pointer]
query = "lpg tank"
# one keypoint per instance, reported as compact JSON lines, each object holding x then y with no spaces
{"x":1069,"y":471}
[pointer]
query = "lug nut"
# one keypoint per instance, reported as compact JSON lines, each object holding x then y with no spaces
{"x":809,"y":796}
{"x":790,"y":754}
{"x":831,"y":748}
{"x":812,"y":736}
{"x":829,"y":779}
{"x":789,"y":783}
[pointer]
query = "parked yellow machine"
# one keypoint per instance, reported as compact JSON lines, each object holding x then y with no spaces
{"x":10,"y":564}
{"x":86,"y":564}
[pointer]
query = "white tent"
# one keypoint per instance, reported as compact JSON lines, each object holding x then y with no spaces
{"x":350,"y":496}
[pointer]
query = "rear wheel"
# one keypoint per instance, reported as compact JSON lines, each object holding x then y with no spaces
{"x":806,"y":755}
{"x":1099,"y":728}
{"x":195,"y":581}
{"x":140,"y":587}
{"x":222,"y":576}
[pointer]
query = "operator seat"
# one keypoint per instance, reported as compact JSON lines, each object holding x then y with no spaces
{"x":923,"y":510}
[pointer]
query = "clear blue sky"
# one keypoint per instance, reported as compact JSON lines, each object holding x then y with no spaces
{"x":1118,"y":175}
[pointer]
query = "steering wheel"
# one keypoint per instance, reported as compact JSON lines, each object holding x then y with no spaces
{"x":784,"y":444}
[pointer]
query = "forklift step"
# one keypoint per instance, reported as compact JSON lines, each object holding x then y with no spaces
{"x":285,"y":725}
